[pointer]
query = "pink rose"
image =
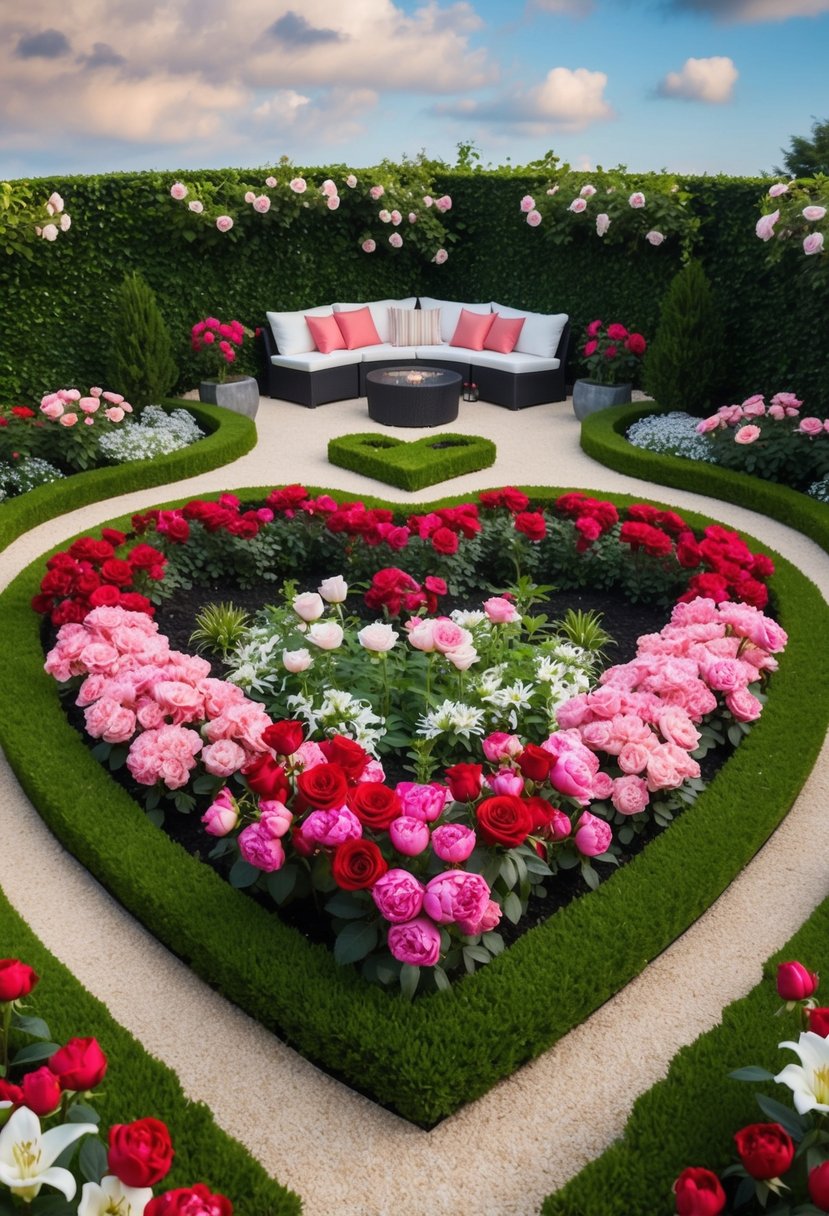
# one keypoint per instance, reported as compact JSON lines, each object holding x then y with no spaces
{"x":743,"y":705}
{"x":527,"y":203}
{"x":351,"y":181}
{"x":812,"y":214}
{"x":224,"y":223}
{"x":274,"y":816}
{"x":114,"y":413}
{"x":578,"y":205}
{"x":378,"y":637}
{"x":262,"y":204}
{"x":499,"y":746}
{"x":329,"y":188}
{"x":764,"y":227}
{"x":222,"y":815}
{"x":506,"y":781}
{"x":654,"y":237}
{"x":630,"y":795}
{"x":395,"y":240}
{"x":223,"y":758}
{"x":440,"y":257}
{"x":368,"y":246}
{"x":417,"y":942}
{"x":725,"y":675}
{"x":108,"y":720}
{"x":453,"y":842}
{"x":500,"y":611}
{"x":377,"y":192}
{"x":662,"y":773}
{"x":676,"y":727}
{"x":587,"y":191}
{"x":593,"y":835}
{"x":747,"y":434}
{"x":178,"y":191}
{"x":298,"y":185}
{"x":602,"y":223}
{"x":444,"y":203}
{"x":260,"y":849}
{"x":637,"y":199}
{"x":423,"y":802}
{"x":409,"y":836}
{"x":398,"y":896}
{"x":68,"y":419}
{"x":333,"y":202}
{"x":534,"y":219}
{"x":456,"y":895}
{"x":384,"y":216}
{"x":778,"y":188}
{"x":328,"y":635}
{"x":270,"y":182}
{"x":447,"y":636}
{"x":810,"y":426}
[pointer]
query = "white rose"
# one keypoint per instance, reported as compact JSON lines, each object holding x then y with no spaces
{"x":334,"y":590}
{"x":328,"y":635}
{"x":49,"y":232}
{"x":308,"y":606}
{"x":378,"y":637}
{"x":462,"y":658}
{"x":296,"y":660}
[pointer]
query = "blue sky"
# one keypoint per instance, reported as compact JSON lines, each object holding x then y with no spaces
{"x":691,"y":86}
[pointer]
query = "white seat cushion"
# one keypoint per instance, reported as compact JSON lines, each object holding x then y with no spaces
{"x":291,"y":332}
{"x":315,"y":360}
{"x":540,"y":333}
{"x":373,"y":354}
{"x":450,"y":313}
{"x":513,"y":362}
{"x":379,"y":310}
{"x":445,"y":354}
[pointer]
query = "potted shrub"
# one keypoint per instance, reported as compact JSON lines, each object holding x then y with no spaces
{"x":219,"y":341}
{"x":611,"y":354}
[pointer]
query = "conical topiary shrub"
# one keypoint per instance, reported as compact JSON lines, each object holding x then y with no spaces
{"x":683,"y":363}
{"x":141,"y":364}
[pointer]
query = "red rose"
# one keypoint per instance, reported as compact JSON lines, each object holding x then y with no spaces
{"x":504,"y":820}
{"x":143,"y":557}
{"x":819,"y":1186}
{"x":794,"y":982}
{"x":87,"y":548}
{"x":10,"y":1093}
{"x":79,"y":1065}
{"x":357,"y":864}
{"x":445,"y":541}
{"x":284,"y":737}
{"x":819,"y":1021}
{"x":131,"y":601}
{"x":189,"y":1201}
{"x":41,"y":1091}
{"x":350,"y":756}
{"x":267,"y":778}
{"x":766,"y":1150}
{"x":687,"y":551}
{"x":105,"y":596}
{"x":762,"y":566}
{"x":117,"y":571}
{"x":636,"y":344}
{"x":113,"y":537}
{"x":534,"y":762}
{"x":374,"y":804}
{"x":16,"y":979}
{"x":465,"y":781}
{"x":532,"y":524}
{"x":514,"y":500}
{"x":643,"y":536}
{"x":698,"y":1193}
{"x":323,"y":787}
{"x":140,"y":1153}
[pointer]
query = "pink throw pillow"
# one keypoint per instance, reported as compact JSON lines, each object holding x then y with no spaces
{"x":503,"y":333}
{"x":357,"y":328}
{"x":472,"y":329}
{"x":326,"y":333}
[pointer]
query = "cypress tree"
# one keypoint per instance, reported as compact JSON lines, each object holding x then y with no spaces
{"x":141,"y":364}
{"x":682,"y":364}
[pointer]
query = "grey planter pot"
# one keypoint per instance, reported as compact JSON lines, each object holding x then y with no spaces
{"x":240,"y":395}
{"x":589,"y":397}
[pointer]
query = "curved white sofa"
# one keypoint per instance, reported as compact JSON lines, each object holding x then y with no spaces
{"x":532,"y":373}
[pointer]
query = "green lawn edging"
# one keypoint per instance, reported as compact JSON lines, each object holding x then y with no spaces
{"x":426,"y":1059}
{"x":229,"y":436}
{"x":411,"y":464}
{"x":138,"y":1085}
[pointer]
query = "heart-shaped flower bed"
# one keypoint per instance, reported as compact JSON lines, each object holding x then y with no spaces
{"x":414,"y":463}
{"x":428,"y":1057}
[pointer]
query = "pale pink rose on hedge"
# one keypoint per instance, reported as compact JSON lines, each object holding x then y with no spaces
{"x":527,"y":203}
{"x":534,"y":219}
{"x":298,"y":185}
{"x":764,"y":227}
{"x":377,"y":192}
{"x":654,"y":237}
{"x":328,"y":635}
{"x":54,"y":203}
{"x":777,"y":189}
{"x":378,"y":637}
{"x":423,"y":802}
{"x":500,"y":611}
{"x":108,"y":720}
{"x":743,"y":705}
{"x":553,"y":190}
{"x":398,"y":896}
{"x":444,"y":203}
{"x":260,"y":849}
{"x":68,"y":420}
{"x":329,"y":188}
{"x":440,"y":257}
{"x":270,"y":182}
{"x":409,"y":836}
{"x":499,"y":746}
{"x":222,"y":815}
{"x":395,"y":240}
{"x":630,"y":795}
{"x":396,"y":218}
{"x":637,"y":199}
{"x":417,"y":942}
{"x":813,"y":213}
{"x":49,"y":232}
{"x":195,"y":206}
{"x":224,"y":223}
{"x":412,"y":217}
{"x":747,"y":434}
{"x":456,"y":895}
{"x":813,"y":243}
{"x":602,"y":223}
{"x":462,"y":658}
{"x":577,"y":206}
{"x":296,"y":661}
{"x":331,"y":828}
{"x":333,"y":202}
{"x":506,"y":781}
{"x":351,"y":181}
{"x":810,"y":426}
{"x":587,"y":191}
{"x":274,"y":816}
{"x":262,"y":204}
{"x":384,"y":216}
{"x":453,"y":842}
{"x":447,"y":636}
{"x":485,"y":924}
{"x":249,"y":196}
{"x":368,"y":246}
{"x":178,"y":190}
{"x":593,"y":835}
{"x":223,"y":758}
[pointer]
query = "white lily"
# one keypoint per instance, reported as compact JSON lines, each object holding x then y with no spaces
{"x":808,"y":1080}
{"x":111,"y":1197}
{"x":26,"y":1154}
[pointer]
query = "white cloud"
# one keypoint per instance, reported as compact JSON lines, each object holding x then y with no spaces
{"x":336,"y":115}
{"x":568,"y":99}
{"x":711,"y":80}
{"x":572,"y":8}
{"x":751,"y":11}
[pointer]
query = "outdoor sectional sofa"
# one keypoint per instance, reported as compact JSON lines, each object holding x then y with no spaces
{"x":331,"y":365}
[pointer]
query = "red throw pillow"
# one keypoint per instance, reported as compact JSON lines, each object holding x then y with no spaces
{"x":357,"y":328}
{"x":503,"y":333}
{"x":472,"y":329}
{"x":326,"y":333}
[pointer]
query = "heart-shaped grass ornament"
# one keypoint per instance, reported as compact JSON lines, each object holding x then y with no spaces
{"x":411,"y":464}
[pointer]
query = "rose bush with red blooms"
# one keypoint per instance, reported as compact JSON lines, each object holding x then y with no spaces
{"x":794,"y":982}
{"x":464,"y":781}
{"x":195,"y":1200}
{"x":504,"y":820}
{"x":698,"y":1193}
{"x":79,"y":1065}
{"x":611,"y":353}
{"x":347,"y":753}
{"x":531,"y":524}
{"x":140,"y":1153}
{"x":357,"y":864}
{"x":16,"y":979}
{"x":766,"y":1150}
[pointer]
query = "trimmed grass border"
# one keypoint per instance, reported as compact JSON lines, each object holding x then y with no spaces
{"x":428,"y":1058}
{"x":411,"y":464}
{"x":228,"y":436}
{"x":137,"y":1085}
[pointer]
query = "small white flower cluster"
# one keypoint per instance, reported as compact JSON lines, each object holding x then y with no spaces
{"x":819,"y":490}
{"x":338,"y":713}
{"x":451,"y":718}
{"x":26,"y":474}
{"x":674,"y":433}
{"x":156,"y":433}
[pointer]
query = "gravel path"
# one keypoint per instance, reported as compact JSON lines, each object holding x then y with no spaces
{"x":502,"y":1154}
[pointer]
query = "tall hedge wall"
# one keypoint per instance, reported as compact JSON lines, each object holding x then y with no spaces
{"x":60,"y":301}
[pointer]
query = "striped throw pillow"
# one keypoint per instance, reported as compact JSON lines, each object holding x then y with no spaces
{"x":414,"y":326}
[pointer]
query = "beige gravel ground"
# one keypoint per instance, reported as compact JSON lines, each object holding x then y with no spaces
{"x":501,"y":1155}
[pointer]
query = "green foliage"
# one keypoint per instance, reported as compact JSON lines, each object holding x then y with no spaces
{"x":808,"y":157}
{"x":141,"y":359}
{"x":219,"y":628}
{"x":683,"y":361}
{"x":585,"y":629}
{"x":414,"y":464}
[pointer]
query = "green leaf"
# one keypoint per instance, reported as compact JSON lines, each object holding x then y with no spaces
{"x":36,"y":1027}
{"x":156,"y":816}
{"x":355,"y":941}
{"x":346,"y":906}
{"x":92,"y":1159}
{"x":512,"y":907}
{"x":589,"y":875}
{"x":752,"y":1072}
{"x":441,"y":978}
{"x":783,"y":1115}
{"x":281,"y":883}
{"x":409,"y":979}
{"x":493,"y":942}
{"x":35,"y":1053}
{"x":79,"y":1112}
{"x":242,"y":874}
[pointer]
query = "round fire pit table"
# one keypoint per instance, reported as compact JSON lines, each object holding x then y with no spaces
{"x":406,"y":396}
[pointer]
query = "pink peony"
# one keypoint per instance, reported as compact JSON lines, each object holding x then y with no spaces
{"x":274,"y":817}
{"x":409,"y":836}
{"x":222,"y":815}
{"x":398,"y":896}
{"x":417,"y":942}
{"x":456,"y":895}
{"x":331,"y":828}
{"x":630,"y":795}
{"x":223,"y":758}
{"x":743,"y":705}
{"x":506,"y":781}
{"x":500,"y":746}
{"x":483,"y":924}
{"x":453,"y":842}
{"x":423,"y":802}
{"x":260,"y":849}
{"x":593,"y":835}
{"x":108,"y":720}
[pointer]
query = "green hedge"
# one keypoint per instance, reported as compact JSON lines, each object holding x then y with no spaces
{"x":138,"y":1085}
{"x":228,"y":437}
{"x":412,"y":464}
{"x":425,"y":1059}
